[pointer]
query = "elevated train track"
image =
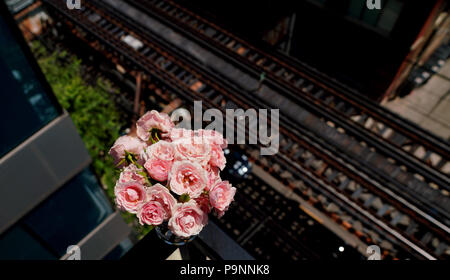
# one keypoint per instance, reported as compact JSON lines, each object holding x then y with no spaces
{"x":408,"y":146}
{"x":423,"y":150}
{"x":326,"y":172}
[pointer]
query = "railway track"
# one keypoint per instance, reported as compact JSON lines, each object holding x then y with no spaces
{"x":326,"y":174}
{"x":428,"y":196}
{"x":259,"y":214}
{"x":409,"y":147}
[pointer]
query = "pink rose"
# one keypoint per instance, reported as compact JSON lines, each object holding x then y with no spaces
{"x":151,"y":213}
{"x":151,"y":120}
{"x":162,"y":195}
{"x":129,"y":196}
{"x":192,"y":149}
{"x":162,"y":150}
{"x":126,"y":143}
{"x":177,"y":133}
{"x":203,"y":202}
{"x":187,"y":219}
{"x":217,"y":157}
{"x":212,"y":137}
{"x":187,"y":177}
{"x":159,"y":157}
{"x":158,"y":169}
{"x":213,"y":176}
{"x":221,"y":195}
{"x":131,"y":173}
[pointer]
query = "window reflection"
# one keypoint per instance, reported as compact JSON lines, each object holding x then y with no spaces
{"x":62,"y":220}
{"x":25,"y":105}
{"x":18,"y":244}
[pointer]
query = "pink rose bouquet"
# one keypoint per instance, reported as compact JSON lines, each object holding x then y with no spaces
{"x":171,"y":176}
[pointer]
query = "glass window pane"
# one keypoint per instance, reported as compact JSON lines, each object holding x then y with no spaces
{"x":70,"y":213}
{"x":25,"y":106}
{"x":17,"y":244}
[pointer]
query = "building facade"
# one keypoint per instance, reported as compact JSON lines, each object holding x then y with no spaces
{"x":49,"y":197}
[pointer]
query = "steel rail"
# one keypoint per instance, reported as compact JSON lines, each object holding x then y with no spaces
{"x":388,"y":147}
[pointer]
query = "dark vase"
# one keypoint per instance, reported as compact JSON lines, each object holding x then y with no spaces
{"x":165,"y":234}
